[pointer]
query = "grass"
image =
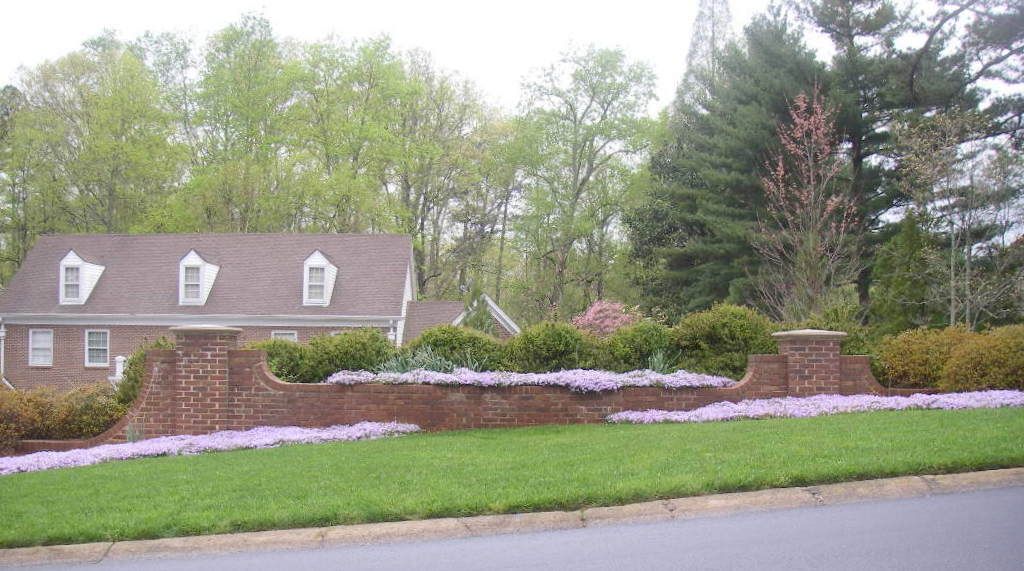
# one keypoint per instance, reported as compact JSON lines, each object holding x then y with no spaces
{"x":490,"y":471}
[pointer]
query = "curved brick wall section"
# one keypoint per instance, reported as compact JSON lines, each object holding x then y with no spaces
{"x":207,"y":384}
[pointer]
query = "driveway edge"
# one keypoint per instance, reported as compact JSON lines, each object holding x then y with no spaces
{"x":448,"y":528}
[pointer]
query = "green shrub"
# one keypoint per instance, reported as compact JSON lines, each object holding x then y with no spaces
{"x":718,"y":340}
{"x":81,"y":413}
{"x":462,"y":346}
{"x":131,"y":381}
{"x":86,"y":412}
{"x":549,"y":347}
{"x":633,"y":346}
{"x":917,"y":357}
{"x":993,"y":360}
{"x":286,"y":359}
{"x":363,"y":349}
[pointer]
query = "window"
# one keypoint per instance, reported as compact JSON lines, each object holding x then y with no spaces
{"x":315,"y":284}
{"x":191,"y":286}
{"x":97,"y":348}
{"x":40,"y":347}
{"x":72,"y":282}
{"x":285,"y":335}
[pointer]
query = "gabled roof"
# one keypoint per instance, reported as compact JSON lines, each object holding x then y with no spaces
{"x":422,"y":315}
{"x":260,"y":274}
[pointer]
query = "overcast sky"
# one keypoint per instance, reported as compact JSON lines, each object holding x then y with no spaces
{"x":494,"y":44}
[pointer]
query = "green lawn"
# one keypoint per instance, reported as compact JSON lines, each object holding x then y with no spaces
{"x":490,"y":471}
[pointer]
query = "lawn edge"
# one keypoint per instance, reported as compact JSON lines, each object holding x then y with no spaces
{"x":451,"y":528}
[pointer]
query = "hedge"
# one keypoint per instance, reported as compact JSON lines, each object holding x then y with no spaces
{"x":362,"y":349}
{"x":632,"y":347}
{"x":548,"y":347}
{"x":80,"y":413}
{"x":916,"y":358}
{"x":993,"y":360}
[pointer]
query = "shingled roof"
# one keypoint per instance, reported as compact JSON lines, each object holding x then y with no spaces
{"x":260,"y":274}
{"x":422,"y":315}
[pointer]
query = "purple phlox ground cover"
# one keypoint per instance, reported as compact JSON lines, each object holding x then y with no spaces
{"x":802,"y":407}
{"x":262,"y":437}
{"x":581,"y":380}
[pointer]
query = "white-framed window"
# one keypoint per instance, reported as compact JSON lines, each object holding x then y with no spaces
{"x":315,"y":284}
{"x":40,"y":347}
{"x":97,"y":348}
{"x":285,"y":335}
{"x":72,"y":283}
{"x":191,"y":283}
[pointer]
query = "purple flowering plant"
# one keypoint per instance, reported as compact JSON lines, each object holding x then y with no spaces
{"x":580,"y":380}
{"x":818,"y":405}
{"x":262,"y":437}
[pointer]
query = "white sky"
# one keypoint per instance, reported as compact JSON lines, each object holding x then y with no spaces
{"x":494,"y":44}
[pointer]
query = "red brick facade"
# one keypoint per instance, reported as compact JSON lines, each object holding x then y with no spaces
{"x":69,"y":370}
{"x":206,"y":384}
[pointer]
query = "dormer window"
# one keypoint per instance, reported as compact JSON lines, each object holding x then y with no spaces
{"x":192,"y":283}
{"x":315,"y":284}
{"x":72,"y":283}
{"x":318,"y":277}
{"x":77,"y":279}
{"x":195,"y":279}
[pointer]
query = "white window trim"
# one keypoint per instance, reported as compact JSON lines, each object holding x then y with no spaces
{"x":207,"y":278}
{"x":64,"y":282}
{"x":104,"y":365}
{"x":31,"y":334}
{"x":318,"y":260}
{"x":285,"y":335}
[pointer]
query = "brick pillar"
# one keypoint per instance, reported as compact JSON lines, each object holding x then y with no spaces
{"x":201,"y":377}
{"x":812,"y":361}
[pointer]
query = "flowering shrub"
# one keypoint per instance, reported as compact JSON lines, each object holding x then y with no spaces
{"x":603,"y":317}
{"x":263,"y":437}
{"x":580,"y":380}
{"x":802,"y":407}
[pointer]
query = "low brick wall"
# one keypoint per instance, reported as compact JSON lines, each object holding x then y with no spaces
{"x":207,"y":384}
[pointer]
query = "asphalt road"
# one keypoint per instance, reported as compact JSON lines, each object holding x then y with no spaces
{"x":976,"y":530}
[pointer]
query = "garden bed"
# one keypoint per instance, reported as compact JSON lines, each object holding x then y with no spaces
{"x":580,"y":380}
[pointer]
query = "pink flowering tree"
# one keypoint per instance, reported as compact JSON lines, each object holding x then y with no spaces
{"x":804,"y":235}
{"x":603,"y":317}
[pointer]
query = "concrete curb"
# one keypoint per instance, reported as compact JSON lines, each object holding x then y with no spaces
{"x":449,"y":528}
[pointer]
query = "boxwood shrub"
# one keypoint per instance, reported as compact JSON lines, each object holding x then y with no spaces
{"x":632,"y":347}
{"x":462,"y":346}
{"x":362,"y":349}
{"x":718,"y":340}
{"x":286,"y":359}
{"x":129,"y":385}
{"x":549,"y":347}
{"x":992,"y":360}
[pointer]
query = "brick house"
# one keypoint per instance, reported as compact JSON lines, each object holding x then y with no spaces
{"x":80,"y":301}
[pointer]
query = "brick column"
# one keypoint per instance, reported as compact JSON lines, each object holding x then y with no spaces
{"x":812,"y":361}
{"x":201,"y":377}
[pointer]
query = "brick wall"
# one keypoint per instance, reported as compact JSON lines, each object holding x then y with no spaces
{"x":69,"y":371}
{"x":206,"y":384}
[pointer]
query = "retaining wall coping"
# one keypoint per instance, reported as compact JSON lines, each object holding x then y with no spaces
{"x":819,"y":334}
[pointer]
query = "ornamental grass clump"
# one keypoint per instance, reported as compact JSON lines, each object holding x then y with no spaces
{"x":263,"y":437}
{"x":804,"y":407}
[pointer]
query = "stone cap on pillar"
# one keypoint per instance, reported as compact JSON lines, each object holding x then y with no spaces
{"x":204,"y":329}
{"x":809,"y":335}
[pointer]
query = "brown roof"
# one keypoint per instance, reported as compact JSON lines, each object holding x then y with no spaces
{"x":422,"y":315}
{"x":260,"y":274}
